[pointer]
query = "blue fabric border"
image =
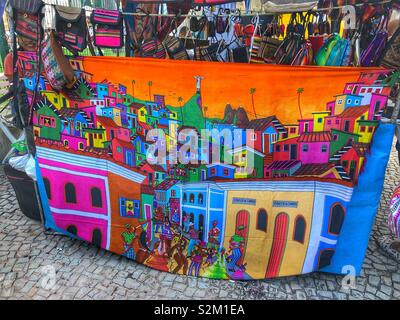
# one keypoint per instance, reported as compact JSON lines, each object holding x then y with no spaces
{"x":356,"y":230}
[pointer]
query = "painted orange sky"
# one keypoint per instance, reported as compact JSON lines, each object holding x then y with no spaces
{"x":223,"y":83}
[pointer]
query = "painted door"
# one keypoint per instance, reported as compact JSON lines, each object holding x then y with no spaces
{"x":203,"y":175}
{"x":147,"y":211}
{"x":346,"y":126}
{"x":352,"y":169}
{"x":278,"y":245}
{"x":129,"y":158}
{"x":91,"y":139}
{"x":266,"y":141}
{"x":293,"y":151}
{"x":201,"y":227}
{"x":242,"y":230}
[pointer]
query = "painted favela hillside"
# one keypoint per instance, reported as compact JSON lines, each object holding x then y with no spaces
{"x":215,"y":220}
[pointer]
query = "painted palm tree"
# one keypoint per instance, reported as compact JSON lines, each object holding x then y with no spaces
{"x":252,"y":92}
{"x":150,"y":84}
{"x":299,"y":92}
{"x":133,"y":88}
{"x":205,"y":116}
{"x":180,"y":99}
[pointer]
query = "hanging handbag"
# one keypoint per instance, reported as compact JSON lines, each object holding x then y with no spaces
{"x":27,"y":21}
{"x":71,"y":28}
{"x":175,"y":48}
{"x":391,"y":55}
{"x":57,"y":68}
{"x":107,"y":28}
{"x":152,"y":48}
{"x":372,"y":54}
{"x":240,"y":54}
{"x":304,"y":56}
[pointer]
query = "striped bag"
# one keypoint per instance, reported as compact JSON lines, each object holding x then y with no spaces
{"x":152,"y":48}
{"x":255,"y":52}
{"x":175,"y":48}
{"x":27,"y":25}
{"x":107,"y":28}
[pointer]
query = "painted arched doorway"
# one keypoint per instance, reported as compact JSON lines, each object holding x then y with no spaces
{"x":278,"y":245}
{"x":242,"y":230}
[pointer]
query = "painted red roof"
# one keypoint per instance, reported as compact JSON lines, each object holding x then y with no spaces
{"x":323,"y":136}
{"x":283,"y":165}
{"x":122,"y":143}
{"x":107,"y":122}
{"x":166,"y":184}
{"x":313,"y":169}
{"x":145,"y":189}
{"x":353,"y":112}
{"x":155,"y":167}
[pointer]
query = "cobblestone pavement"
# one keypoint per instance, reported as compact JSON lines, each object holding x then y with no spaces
{"x":85,"y":272}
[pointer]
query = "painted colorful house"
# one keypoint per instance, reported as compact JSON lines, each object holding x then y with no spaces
{"x":306,"y":125}
{"x":249,"y":162}
{"x":265,"y":133}
{"x":341,"y":139}
{"x":48,"y":120}
{"x":286,"y":149}
{"x":366,"y":129}
{"x":123,"y":152}
{"x":220,"y":171}
{"x":314,"y":147}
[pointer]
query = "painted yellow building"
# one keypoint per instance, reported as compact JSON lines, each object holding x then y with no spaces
{"x":142,"y":114}
{"x":95,"y":137}
{"x":282,"y":210}
{"x":319,"y":120}
{"x":292,"y":131}
{"x":366,"y":129}
{"x":57,"y":99}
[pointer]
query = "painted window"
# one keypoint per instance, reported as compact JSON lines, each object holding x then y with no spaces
{"x":285,"y":147}
{"x":325,"y":257}
{"x":370,"y":129}
{"x":46,"y":121}
{"x":129,"y":208}
{"x":95,"y":195}
{"x":319,"y":120}
{"x":362,"y":129}
{"x":173,"y":193}
{"x":253,"y":137}
{"x":278,"y":148}
{"x":80,"y":146}
{"x":336,"y":219}
{"x":262,"y":220}
{"x":335,"y":137}
{"x":184,"y":197}
{"x":200,"y":198}
{"x":212,"y":171}
{"x":191,"y":198}
{"x":340,"y":101}
{"x":46,"y":183}
{"x":292,"y":130}
{"x":70,"y":193}
{"x":305,"y":148}
{"x":299,"y":229}
{"x":226,"y":172}
{"x":324,"y":148}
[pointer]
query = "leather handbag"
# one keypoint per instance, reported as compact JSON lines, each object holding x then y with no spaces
{"x":391,"y":55}
{"x":71,"y":28}
{"x":107,"y":28}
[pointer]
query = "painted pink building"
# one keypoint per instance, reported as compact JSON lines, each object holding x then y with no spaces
{"x":73,"y":142}
{"x":314,"y":147}
{"x":78,"y":199}
{"x":113,"y":130}
{"x":77,"y":189}
{"x":306,"y":125}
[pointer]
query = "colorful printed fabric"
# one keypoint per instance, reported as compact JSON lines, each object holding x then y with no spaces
{"x":394,"y":213}
{"x":293,"y":195}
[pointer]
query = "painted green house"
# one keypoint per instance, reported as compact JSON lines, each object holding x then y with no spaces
{"x":340,"y":139}
{"x":48,"y":119}
{"x":147,"y":200}
{"x":196,"y":172}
